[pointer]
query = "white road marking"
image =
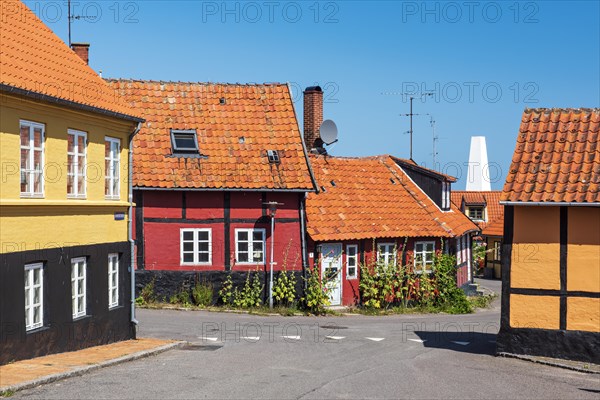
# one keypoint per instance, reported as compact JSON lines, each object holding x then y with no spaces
{"x":461,"y":343}
{"x":292,"y":337}
{"x":418,"y":340}
{"x":375,"y":339}
{"x":251,"y":337}
{"x":335,"y":337}
{"x":212,"y":339}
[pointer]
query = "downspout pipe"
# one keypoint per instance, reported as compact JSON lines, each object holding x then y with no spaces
{"x":130,"y":222}
{"x":303,"y":238}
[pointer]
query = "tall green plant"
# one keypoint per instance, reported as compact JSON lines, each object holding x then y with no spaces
{"x":316,"y":296}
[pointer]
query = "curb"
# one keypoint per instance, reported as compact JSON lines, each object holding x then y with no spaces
{"x":548,"y":363}
{"x":90,"y":368}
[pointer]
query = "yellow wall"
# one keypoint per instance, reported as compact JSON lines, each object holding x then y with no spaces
{"x":535,"y":259}
{"x":541,"y":312}
{"x":54,"y":218}
{"x":583,"y":253}
{"x":583,"y":314}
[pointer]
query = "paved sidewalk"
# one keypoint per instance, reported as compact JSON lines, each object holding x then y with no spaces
{"x":28,"y":373}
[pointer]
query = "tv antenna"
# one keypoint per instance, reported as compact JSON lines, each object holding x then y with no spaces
{"x":73,"y":17}
{"x":411,"y":115}
{"x":434,"y":138}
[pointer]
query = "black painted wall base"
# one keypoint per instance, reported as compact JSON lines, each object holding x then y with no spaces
{"x":167,"y":283}
{"x":60,"y":332}
{"x":568,"y":345}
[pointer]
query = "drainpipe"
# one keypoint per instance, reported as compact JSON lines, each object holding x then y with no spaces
{"x":303,"y":238}
{"x":129,"y":222}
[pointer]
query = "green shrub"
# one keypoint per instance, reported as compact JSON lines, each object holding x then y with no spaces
{"x":250,"y":295}
{"x":181,"y":297}
{"x":147,"y":294}
{"x":316,"y":296}
{"x":202,"y":293}
{"x":226,"y":292}
{"x":284,"y":289}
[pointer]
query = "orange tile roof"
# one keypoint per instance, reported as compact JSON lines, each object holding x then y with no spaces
{"x":35,"y":62}
{"x":557,"y":157}
{"x":494,"y":226}
{"x":372,"y":197}
{"x":233,"y":137}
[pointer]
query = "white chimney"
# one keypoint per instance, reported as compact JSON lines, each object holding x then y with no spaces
{"x":478,"y":174}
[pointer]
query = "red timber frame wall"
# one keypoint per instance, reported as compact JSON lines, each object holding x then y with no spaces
{"x":160,"y":215}
{"x":367,"y":253}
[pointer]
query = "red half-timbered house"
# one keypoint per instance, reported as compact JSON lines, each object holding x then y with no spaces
{"x":207,"y":163}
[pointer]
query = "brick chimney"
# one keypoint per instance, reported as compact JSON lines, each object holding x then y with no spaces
{"x":313,"y":117}
{"x":82,"y":50}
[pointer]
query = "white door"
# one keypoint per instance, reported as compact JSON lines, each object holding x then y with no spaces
{"x":331,"y":271}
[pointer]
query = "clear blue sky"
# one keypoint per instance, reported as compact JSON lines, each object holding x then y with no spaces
{"x":485,"y":61}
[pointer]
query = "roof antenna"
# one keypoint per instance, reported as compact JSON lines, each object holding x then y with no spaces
{"x":72,"y":17}
{"x":435,"y":139}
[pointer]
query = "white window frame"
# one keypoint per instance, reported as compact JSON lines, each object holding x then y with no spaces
{"x":190,"y":133}
{"x":459,"y":250}
{"x":113,"y":280}
{"x":423,"y":254}
{"x":250,"y":242}
{"x":482,"y":219}
{"x":389,"y":247}
{"x":113,"y":172}
{"x":497,"y":250}
{"x":29,"y":174}
{"x":77,"y":297}
{"x":76,"y":153}
{"x":446,"y":196}
{"x":195,"y":250}
{"x":351,"y":258}
{"x":30,"y":287}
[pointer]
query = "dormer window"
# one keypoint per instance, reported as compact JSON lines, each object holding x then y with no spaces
{"x":446,"y":196}
{"x":476,"y":213}
{"x":273,"y":156}
{"x":184,"y":141}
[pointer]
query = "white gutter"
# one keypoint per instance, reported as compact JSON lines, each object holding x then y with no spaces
{"x":548,"y":203}
{"x":130,"y":224}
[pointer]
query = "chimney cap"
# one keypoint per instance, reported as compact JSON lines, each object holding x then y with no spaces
{"x":313,"y":89}
{"x":80,"y":44}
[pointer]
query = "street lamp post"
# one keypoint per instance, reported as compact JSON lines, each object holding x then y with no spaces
{"x":272,"y":210}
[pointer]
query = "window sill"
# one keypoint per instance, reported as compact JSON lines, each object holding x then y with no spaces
{"x":353,"y":278}
{"x":112,"y":198}
{"x":37,"y":330}
{"x":115,"y":307}
{"x":76,"y":197}
{"x":81,"y":318}
{"x":32,"y":196}
{"x":196,"y":265}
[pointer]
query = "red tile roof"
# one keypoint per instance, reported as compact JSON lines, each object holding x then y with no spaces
{"x":373,"y":197}
{"x":233,"y":136}
{"x":494,"y":226}
{"x":557,"y":157}
{"x":35,"y":62}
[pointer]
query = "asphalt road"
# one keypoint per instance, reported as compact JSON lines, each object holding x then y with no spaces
{"x":245,"y":356}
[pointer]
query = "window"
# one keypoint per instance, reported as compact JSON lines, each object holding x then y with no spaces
{"x":113,"y":280}
{"x":184,"y":141}
{"x":446,"y":195}
{"x":112,"y":165}
{"x":273,"y":156}
{"x":78,"y":286}
{"x":459,"y":250}
{"x":497,"y":250}
{"x":34,"y":296}
{"x":250,"y":246}
{"x":32,"y":159}
{"x":76,"y":154}
{"x":386,"y":253}
{"x":476,"y":213}
{"x":351,"y":261}
{"x":424,"y":252}
{"x":196,"y":247}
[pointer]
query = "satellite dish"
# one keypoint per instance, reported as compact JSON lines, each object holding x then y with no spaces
{"x":328,"y":132}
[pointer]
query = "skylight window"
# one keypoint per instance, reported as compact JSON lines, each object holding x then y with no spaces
{"x":273,"y":156}
{"x":184,"y":141}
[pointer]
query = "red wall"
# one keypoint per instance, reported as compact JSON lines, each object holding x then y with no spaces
{"x":350,"y":288}
{"x":164,"y":216}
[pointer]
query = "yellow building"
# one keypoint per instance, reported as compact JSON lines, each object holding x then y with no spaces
{"x":64,"y":196}
{"x":551,"y":251}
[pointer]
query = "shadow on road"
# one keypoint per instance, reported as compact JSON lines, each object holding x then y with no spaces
{"x":465,"y":342}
